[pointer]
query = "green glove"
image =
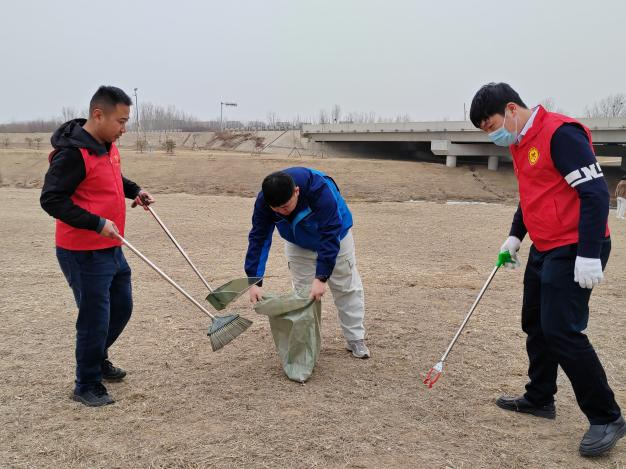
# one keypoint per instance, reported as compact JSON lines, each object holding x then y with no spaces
{"x":503,"y":258}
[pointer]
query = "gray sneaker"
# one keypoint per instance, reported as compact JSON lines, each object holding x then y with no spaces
{"x":358,"y":348}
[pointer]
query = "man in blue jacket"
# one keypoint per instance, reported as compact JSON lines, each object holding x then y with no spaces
{"x":312,"y":217}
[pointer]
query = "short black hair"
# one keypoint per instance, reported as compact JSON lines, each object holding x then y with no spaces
{"x":107,"y":97}
{"x":491,"y":99}
{"x":278,"y":188}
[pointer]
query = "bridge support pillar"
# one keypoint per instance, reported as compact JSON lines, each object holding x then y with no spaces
{"x":451,"y":161}
{"x":492,"y":163}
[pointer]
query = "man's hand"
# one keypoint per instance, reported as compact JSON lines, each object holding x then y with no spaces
{"x":588,"y":272}
{"x":109,"y":230}
{"x":256,"y":293}
{"x":144,"y":198}
{"x":317,"y":290}
{"x":511,"y":245}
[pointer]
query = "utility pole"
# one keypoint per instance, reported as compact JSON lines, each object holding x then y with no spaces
{"x":464,"y":113}
{"x":137,"y":116}
{"x":222,"y":104}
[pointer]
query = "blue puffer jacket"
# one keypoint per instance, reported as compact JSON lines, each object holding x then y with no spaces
{"x":319,"y":222}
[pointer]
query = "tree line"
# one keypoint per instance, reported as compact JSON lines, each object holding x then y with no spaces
{"x":154,"y":118}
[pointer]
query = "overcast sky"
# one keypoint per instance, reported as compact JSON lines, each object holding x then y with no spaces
{"x":422,"y":58}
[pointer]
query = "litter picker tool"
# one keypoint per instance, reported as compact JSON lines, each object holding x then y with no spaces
{"x":437,"y":370}
{"x":223,"y":328}
{"x":223,"y":295}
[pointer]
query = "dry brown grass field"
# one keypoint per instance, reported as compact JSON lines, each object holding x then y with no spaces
{"x":422,"y":261}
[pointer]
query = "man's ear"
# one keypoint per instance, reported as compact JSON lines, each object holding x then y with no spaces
{"x":97,"y":114}
{"x":512,"y":108}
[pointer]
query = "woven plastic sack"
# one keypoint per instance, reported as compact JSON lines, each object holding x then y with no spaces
{"x":296,"y":324}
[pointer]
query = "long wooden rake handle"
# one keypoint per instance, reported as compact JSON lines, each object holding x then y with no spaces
{"x":164,"y":276}
{"x":179,"y":247}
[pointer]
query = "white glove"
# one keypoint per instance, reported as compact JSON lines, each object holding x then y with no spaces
{"x":588,"y":272}
{"x":512,"y":245}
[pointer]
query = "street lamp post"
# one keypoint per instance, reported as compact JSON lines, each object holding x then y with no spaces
{"x":136,"y":111}
{"x":138,"y":147}
{"x":222,"y":104}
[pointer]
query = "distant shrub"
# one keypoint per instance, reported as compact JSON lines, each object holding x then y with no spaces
{"x":169,"y":146}
{"x":142,"y":144}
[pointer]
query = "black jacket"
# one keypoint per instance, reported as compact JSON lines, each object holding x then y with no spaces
{"x":67,"y":171}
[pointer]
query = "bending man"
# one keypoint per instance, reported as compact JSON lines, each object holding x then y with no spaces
{"x":312,"y":217}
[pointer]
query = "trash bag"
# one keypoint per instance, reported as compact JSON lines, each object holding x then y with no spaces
{"x":296,"y":324}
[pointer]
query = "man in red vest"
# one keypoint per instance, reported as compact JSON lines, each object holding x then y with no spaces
{"x":84,"y":190}
{"x":564,"y":206}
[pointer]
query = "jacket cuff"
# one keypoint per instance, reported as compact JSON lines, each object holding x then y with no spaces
{"x":324,"y":269}
{"x":518,"y":231}
{"x":590,"y":249}
{"x":101,"y":224}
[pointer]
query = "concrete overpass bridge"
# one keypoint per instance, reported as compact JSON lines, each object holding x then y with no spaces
{"x":452,"y":139}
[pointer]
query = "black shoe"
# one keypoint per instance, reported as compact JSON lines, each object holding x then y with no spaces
{"x":111,"y":373}
{"x":95,"y":396}
{"x":601,"y":438}
{"x":523,"y":405}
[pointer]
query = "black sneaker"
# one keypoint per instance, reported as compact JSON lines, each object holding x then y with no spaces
{"x":523,"y":405}
{"x":111,"y":373}
{"x":601,"y":438}
{"x":95,"y":396}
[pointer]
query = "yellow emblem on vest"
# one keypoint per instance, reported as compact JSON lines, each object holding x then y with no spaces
{"x":533,"y":156}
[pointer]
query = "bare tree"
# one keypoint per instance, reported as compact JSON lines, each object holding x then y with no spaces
{"x":154,"y":117}
{"x":38,"y":125}
{"x":335,"y":113}
{"x":272,"y":119}
{"x":548,"y":104}
{"x":68,"y":113}
{"x":614,"y":105}
{"x":323,"y":117}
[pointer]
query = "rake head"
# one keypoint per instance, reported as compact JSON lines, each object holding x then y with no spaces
{"x":226,"y":328}
{"x":433,"y":374}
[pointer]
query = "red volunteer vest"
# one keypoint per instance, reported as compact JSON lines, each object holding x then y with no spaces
{"x":550,"y":206}
{"x":100,"y":193}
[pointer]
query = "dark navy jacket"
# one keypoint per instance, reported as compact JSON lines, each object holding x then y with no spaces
{"x":319,"y":222}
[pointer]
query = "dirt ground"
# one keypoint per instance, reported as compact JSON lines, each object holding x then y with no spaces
{"x":422,"y":261}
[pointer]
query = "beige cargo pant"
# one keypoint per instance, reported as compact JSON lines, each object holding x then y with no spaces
{"x":344,"y":283}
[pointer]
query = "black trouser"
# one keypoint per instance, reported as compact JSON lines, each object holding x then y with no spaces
{"x":555,"y":312}
{"x":101,"y":284}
